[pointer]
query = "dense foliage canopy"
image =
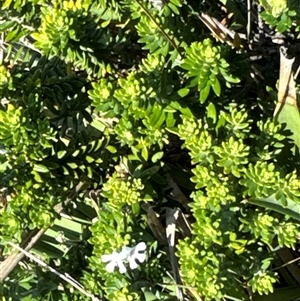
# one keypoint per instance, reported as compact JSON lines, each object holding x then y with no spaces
{"x":156,"y":126}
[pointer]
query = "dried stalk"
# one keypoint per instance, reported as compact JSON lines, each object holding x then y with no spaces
{"x":65,"y":276}
{"x":7,"y":266}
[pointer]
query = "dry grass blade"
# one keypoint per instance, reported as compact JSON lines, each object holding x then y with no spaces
{"x":177,"y":194}
{"x":286,"y":89}
{"x":221,"y":32}
{"x":287,"y":263}
{"x":171,"y":219}
{"x":286,"y":111}
{"x":1,"y":47}
{"x":290,"y":263}
{"x":7,"y":266}
{"x":249,"y":8}
{"x":154,"y":224}
{"x":65,"y":277}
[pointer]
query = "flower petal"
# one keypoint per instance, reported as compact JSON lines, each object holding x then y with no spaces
{"x":110,"y":267}
{"x":122,"y":267}
{"x":125,"y":253}
{"x":140,"y":257}
{"x":106,"y":258}
{"x":109,"y":257}
{"x":141,"y":246}
{"x":132,"y":263}
{"x":137,"y":254}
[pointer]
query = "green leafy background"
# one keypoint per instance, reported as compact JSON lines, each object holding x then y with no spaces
{"x":139,"y":101}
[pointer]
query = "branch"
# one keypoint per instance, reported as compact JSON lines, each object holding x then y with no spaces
{"x":170,"y":40}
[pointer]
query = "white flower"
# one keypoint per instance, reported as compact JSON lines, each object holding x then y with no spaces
{"x":138,"y":252}
{"x":114,"y":260}
{"x":127,"y":254}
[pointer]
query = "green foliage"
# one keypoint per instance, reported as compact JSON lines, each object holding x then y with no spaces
{"x":204,"y":62}
{"x":115,"y":228}
{"x":152,"y":37}
{"x":45,"y":139}
{"x":10,"y":224}
{"x":59,"y":34}
{"x":122,"y":192}
{"x":106,"y":93}
{"x":262,"y":283}
{"x":225,"y":174}
{"x":209,"y":263}
{"x":277,"y":14}
{"x":140,"y":109}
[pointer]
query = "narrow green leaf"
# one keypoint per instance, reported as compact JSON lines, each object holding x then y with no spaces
{"x":61,"y":154}
{"x":161,"y":120}
{"x":149,"y":296}
{"x":112,"y":149}
{"x":98,"y":125}
{"x":170,"y":120}
{"x":89,"y":159}
{"x":40,"y":168}
{"x":65,"y":171}
{"x":183,"y":92}
{"x":89,"y":172}
{"x":76,"y":153}
{"x":173,"y":8}
{"x":157,"y":156}
{"x":155,"y":116}
{"x":12,"y":35}
{"x":72,"y":165}
{"x":37,"y":177}
{"x":105,"y":23}
{"x":6,"y":4}
{"x":291,"y":209}
{"x":145,"y":153}
{"x":212,"y":112}
{"x":6,"y":25}
{"x":216,"y":87}
{"x":135,"y":208}
{"x":204,"y":93}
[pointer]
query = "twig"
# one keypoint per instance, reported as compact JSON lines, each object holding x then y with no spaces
{"x":260,"y":23}
{"x":171,"y":41}
{"x":65,"y":277}
{"x":7,"y":266}
{"x":1,"y":47}
{"x":293,"y":269}
{"x":297,"y":73}
{"x":287,"y":263}
{"x":249,"y":6}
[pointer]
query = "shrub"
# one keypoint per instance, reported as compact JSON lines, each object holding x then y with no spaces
{"x":142,"y":103}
